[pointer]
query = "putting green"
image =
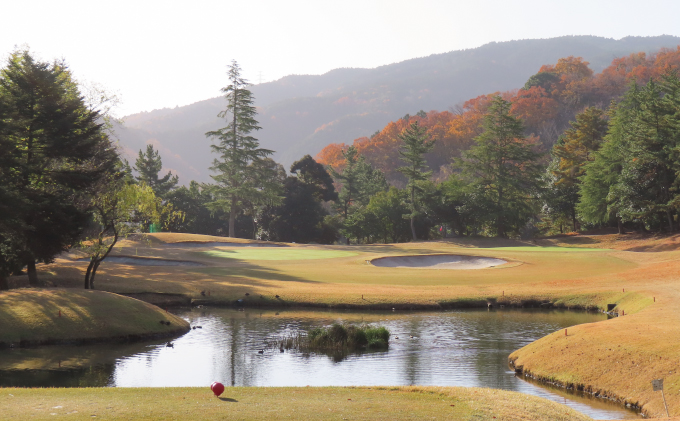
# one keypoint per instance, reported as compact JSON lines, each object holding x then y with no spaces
{"x":288,"y":253}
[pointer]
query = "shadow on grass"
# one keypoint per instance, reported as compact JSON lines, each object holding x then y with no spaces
{"x":227,"y":399}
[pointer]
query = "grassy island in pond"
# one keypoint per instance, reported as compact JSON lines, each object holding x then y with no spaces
{"x":348,"y":337}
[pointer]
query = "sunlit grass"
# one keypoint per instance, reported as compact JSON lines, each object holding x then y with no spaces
{"x":281,"y":403}
{"x":59,"y":314}
{"x":273,"y":253}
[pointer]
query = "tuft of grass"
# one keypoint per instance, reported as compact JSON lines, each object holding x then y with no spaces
{"x":351,"y":337}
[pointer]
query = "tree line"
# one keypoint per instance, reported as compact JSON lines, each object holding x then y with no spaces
{"x":63,"y":183}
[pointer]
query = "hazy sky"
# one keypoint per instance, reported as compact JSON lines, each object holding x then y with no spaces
{"x":165,"y":53}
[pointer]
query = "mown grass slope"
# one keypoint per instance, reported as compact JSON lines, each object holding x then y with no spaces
{"x":61,"y":315}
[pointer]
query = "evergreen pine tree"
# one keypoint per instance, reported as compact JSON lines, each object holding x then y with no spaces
{"x":571,"y":153}
{"x":415,"y":146}
{"x":634,"y":177}
{"x":349,"y":179}
{"x":148,"y":165}
{"x":59,"y":149}
{"x":239,"y":172}
{"x":502,"y":170}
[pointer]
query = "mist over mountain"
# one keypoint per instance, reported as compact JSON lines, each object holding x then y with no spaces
{"x":301,"y":114}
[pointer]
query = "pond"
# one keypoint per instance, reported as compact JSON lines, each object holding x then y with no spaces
{"x":452,"y":348}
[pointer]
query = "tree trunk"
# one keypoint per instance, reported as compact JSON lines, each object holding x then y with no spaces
{"x":573,"y":217}
{"x":88,"y":274}
{"x":619,"y":224}
{"x":413,"y":210}
{"x":232,"y":219}
{"x":32,"y":274}
{"x":4,"y":284}
{"x":670,"y":221}
{"x":94,"y":272}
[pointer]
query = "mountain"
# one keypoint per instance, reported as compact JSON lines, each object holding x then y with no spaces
{"x":301,"y":114}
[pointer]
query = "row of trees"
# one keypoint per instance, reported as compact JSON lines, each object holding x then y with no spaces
{"x":547,"y":103}
{"x":63,"y":184}
{"x":613,"y":167}
{"x":504,"y":184}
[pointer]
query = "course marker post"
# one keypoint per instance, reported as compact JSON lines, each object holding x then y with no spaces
{"x":656,"y":386}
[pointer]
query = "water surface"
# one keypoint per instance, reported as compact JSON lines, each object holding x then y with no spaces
{"x":453,"y":348}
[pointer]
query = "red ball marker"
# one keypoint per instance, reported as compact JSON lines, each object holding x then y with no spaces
{"x":217,"y":388}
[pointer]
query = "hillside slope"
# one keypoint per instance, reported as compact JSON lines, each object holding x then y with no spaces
{"x":301,"y":114}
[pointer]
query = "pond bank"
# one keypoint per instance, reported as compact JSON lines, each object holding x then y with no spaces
{"x":31,"y":317}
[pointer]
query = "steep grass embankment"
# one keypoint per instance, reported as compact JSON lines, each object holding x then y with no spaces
{"x":49,"y":316}
{"x":289,"y":403}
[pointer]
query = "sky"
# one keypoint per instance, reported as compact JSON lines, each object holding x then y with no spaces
{"x":157,"y":54}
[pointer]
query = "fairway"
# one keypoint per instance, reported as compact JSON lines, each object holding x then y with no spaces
{"x":292,"y":253}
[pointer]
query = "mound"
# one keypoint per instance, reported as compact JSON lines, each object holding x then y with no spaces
{"x":50,"y":316}
{"x":439,"y":261}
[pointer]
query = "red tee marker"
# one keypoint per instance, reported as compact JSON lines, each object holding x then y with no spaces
{"x":217,"y":388}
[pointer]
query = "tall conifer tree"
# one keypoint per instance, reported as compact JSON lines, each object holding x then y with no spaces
{"x":239,"y":168}
{"x":502,"y":170}
{"x":415,"y":146}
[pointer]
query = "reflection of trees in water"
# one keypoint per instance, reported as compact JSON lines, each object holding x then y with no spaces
{"x":495,"y":343}
{"x":413,"y":353}
{"x":94,"y":376}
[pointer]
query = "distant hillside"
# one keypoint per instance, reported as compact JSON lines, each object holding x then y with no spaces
{"x":302,"y":114}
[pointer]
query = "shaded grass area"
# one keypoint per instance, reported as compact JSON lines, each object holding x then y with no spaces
{"x":279,"y":254}
{"x":326,"y":403}
{"x":30,"y":316}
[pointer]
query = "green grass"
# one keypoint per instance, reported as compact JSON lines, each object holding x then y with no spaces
{"x":280,"y":403}
{"x":272,"y":253}
{"x":348,"y":338}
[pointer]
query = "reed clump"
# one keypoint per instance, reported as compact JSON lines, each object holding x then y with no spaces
{"x":338,"y":340}
{"x":348,"y":337}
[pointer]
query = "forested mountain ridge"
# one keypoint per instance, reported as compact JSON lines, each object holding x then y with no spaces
{"x":302,"y":114}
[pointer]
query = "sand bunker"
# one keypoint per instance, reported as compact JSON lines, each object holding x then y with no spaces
{"x":437,"y":262}
{"x":144,"y":261}
{"x":185,"y":244}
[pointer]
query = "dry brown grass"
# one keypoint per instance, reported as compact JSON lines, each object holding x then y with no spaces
{"x":55,"y":315}
{"x":269,"y":403}
{"x":618,"y":357}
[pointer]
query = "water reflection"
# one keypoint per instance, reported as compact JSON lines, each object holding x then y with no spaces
{"x":456,"y":348}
